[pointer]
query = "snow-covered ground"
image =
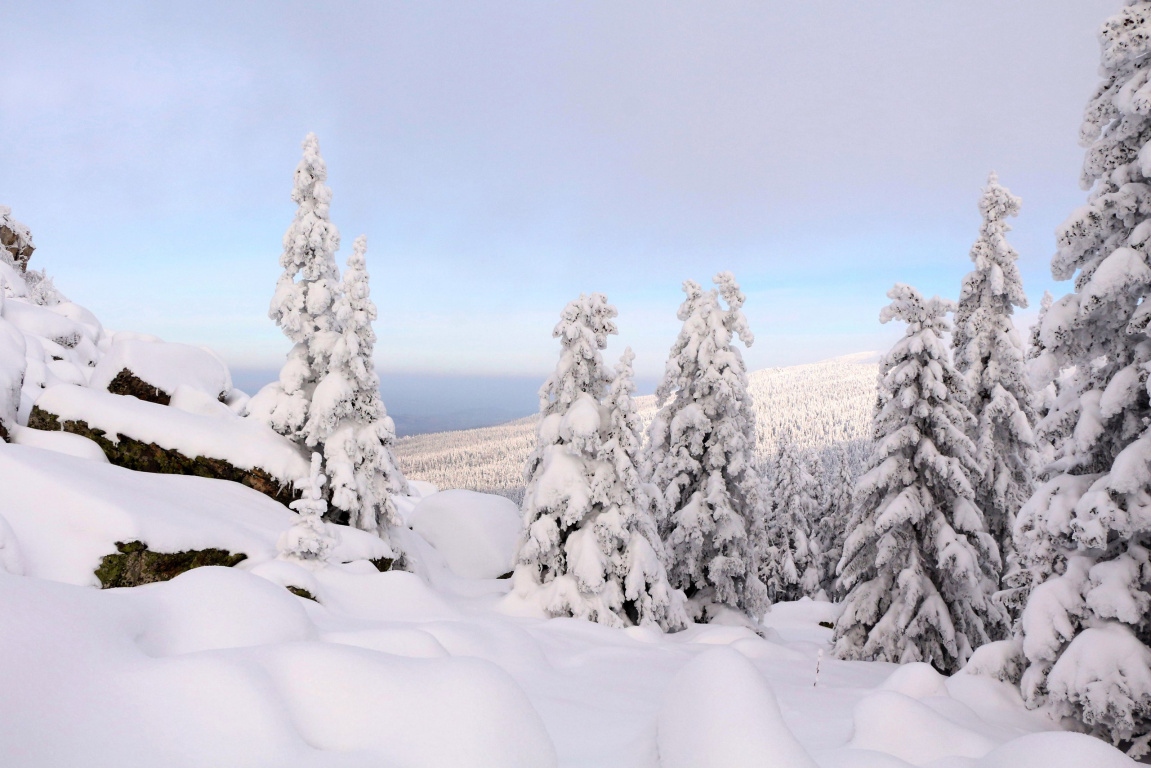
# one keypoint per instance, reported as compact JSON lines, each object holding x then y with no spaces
{"x":223,"y":666}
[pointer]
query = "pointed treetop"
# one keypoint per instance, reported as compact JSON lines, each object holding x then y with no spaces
{"x":997,"y":202}
{"x":310,"y":176}
{"x":583,"y":328}
{"x":359,"y":248}
{"x":908,"y":305}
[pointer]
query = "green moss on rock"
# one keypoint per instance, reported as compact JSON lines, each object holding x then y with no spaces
{"x":301,"y":592}
{"x":134,"y":564}
{"x":149,"y":457}
{"x":128,"y":383}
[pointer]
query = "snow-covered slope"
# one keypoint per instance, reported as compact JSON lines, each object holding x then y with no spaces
{"x":434,"y":667}
{"x":223,"y":666}
{"x":817,"y":404}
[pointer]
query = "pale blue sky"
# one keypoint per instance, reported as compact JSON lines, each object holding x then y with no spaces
{"x":502,"y":157}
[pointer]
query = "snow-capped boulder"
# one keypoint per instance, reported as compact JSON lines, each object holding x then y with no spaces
{"x":46,"y":323}
{"x":152,"y":370}
{"x":153,"y":438}
{"x":476,"y":533}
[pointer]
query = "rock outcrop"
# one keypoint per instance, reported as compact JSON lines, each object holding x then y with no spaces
{"x":127,"y":452}
{"x":15,"y":239}
{"x":134,"y":564}
{"x":127,"y":383}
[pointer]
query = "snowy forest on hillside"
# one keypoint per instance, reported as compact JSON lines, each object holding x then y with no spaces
{"x":943,"y":558}
{"x":820,"y":407}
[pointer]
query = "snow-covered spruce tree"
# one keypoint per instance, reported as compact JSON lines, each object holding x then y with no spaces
{"x":1044,"y":385}
{"x":789,"y":566}
{"x":303,"y":304}
{"x":347,"y":417}
{"x":700,"y":459}
{"x":839,"y":488}
{"x":307,"y":541}
{"x":918,"y":565}
{"x":1085,"y":534}
{"x":989,"y":353}
{"x":589,"y":548}
{"x":629,"y":522}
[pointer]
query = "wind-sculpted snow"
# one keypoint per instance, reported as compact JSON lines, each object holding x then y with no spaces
{"x":819,"y":405}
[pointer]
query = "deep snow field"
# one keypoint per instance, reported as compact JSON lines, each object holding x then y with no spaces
{"x":226,"y":667}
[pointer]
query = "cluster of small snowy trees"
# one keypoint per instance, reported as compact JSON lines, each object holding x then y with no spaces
{"x":590,"y":547}
{"x":620,"y":532}
{"x":688,"y":525}
{"x":953,"y":461}
{"x":327,"y":398}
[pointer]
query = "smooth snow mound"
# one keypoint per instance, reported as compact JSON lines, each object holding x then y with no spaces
{"x":164,"y":365}
{"x":895,"y":723}
{"x":719,"y":712}
{"x":243,"y":443}
{"x":1056,"y":750}
{"x":217,"y":668}
{"x":476,"y":533}
{"x":61,"y":442}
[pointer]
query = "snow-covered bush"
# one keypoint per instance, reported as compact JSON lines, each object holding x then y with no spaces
{"x":347,"y":417}
{"x":918,"y":564}
{"x":12,"y":365}
{"x":307,"y":541}
{"x":989,"y":353}
{"x":1084,"y":535}
{"x":701,"y":458}
{"x":790,"y":564}
{"x":590,"y":547}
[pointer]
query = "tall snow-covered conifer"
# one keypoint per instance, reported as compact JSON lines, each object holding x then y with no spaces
{"x":1085,"y":534}
{"x":790,"y":567}
{"x":832,"y":528}
{"x":589,"y":548}
{"x":701,"y":458}
{"x":918,"y":565}
{"x":989,"y":353}
{"x":347,"y":416}
{"x":303,"y":304}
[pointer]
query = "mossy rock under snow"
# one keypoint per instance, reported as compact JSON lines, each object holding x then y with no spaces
{"x":134,"y":454}
{"x":134,"y":564}
{"x":152,"y":370}
{"x":127,"y":383}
